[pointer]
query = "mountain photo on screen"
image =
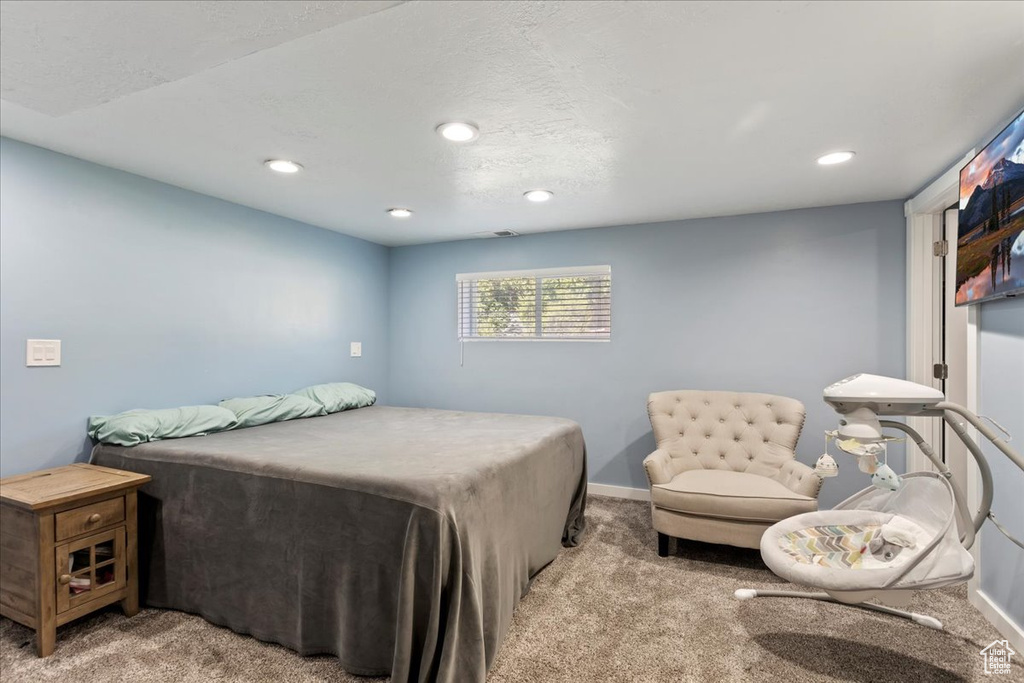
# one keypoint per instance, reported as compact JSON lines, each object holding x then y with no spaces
{"x":990,"y":236}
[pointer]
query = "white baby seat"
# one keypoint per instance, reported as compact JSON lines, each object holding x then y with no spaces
{"x":848,"y":553}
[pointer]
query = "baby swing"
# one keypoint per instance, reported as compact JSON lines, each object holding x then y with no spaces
{"x":902,"y":533}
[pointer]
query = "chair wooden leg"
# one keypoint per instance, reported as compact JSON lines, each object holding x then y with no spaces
{"x":662,"y":545}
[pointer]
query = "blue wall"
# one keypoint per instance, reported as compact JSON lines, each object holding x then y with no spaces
{"x":1001,"y":396}
{"x":164,"y":297}
{"x":783,"y":303}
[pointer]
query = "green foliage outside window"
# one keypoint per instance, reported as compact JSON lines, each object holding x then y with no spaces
{"x":572,"y":306}
{"x":506,"y":307}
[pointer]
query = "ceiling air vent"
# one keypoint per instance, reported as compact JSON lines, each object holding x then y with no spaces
{"x":487,"y":235}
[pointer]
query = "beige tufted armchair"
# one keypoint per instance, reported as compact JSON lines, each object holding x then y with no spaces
{"x":725,"y":468}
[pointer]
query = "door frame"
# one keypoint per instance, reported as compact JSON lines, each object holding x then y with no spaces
{"x":924,"y":315}
{"x":924,"y":326}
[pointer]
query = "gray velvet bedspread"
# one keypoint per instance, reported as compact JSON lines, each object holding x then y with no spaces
{"x":398,"y":539}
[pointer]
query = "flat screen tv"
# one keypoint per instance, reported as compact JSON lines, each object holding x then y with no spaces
{"x":990,"y":234}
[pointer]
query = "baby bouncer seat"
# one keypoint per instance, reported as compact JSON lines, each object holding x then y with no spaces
{"x":850,"y":553}
{"x":911,"y":533}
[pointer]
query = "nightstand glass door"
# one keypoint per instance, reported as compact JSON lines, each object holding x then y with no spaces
{"x":90,"y":568}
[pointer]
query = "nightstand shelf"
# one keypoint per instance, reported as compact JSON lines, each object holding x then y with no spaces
{"x":69,"y":546}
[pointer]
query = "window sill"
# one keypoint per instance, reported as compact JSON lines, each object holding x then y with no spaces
{"x":529,"y":339}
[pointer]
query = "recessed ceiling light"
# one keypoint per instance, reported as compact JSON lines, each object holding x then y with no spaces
{"x":458,"y":131}
{"x":399,"y":213}
{"x":538,"y":195}
{"x":282,"y":165}
{"x":835,"y":158}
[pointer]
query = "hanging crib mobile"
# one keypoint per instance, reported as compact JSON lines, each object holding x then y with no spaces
{"x":902,"y":533}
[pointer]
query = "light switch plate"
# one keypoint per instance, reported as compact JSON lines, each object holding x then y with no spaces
{"x":42,"y":352}
{"x":356,"y":349}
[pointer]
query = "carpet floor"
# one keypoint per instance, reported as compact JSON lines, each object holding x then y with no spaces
{"x":608,"y":610}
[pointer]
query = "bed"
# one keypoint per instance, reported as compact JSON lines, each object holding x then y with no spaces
{"x":398,"y":539}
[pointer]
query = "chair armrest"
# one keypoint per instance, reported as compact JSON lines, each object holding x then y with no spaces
{"x":658,"y":466}
{"x":799,"y":478}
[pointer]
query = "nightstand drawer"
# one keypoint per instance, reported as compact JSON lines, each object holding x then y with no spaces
{"x":85,"y":519}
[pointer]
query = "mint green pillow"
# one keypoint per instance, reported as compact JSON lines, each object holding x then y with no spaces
{"x":138,"y":426}
{"x":258,"y":410}
{"x":339,"y":396}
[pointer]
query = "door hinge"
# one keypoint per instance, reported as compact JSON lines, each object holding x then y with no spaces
{"x":940,"y":248}
{"x":940,"y":371}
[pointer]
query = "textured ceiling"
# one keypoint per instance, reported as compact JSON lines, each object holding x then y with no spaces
{"x":57,"y":57}
{"x":628,"y":112}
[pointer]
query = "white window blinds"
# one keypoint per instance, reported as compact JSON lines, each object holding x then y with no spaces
{"x":551,"y":304}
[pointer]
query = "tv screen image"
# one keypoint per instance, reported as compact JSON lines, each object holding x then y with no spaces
{"x":990,"y":234}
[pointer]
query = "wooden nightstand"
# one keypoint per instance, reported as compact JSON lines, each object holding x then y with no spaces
{"x":69,"y":546}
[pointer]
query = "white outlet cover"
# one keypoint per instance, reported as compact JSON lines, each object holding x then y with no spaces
{"x":42,"y":352}
{"x":356,"y":349}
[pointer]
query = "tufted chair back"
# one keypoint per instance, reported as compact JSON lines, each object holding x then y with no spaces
{"x":725,"y":430}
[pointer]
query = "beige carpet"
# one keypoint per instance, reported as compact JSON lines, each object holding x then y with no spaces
{"x":609,"y":610}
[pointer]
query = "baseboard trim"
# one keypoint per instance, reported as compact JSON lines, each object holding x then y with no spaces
{"x":992,"y":612}
{"x":619,"y":492}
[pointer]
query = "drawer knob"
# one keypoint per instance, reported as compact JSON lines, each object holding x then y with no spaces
{"x":94,"y":517}
{"x":64,"y":579}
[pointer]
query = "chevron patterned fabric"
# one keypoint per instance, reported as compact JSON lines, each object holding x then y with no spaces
{"x":837,"y":546}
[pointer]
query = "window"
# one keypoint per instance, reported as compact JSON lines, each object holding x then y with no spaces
{"x":552,"y":304}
